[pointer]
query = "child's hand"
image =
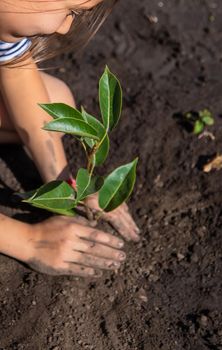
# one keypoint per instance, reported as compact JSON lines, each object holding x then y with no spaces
{"x":119,"y":218}
{"x":66,"y":246}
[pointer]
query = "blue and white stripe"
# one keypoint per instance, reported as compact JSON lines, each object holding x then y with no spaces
{"x":9,"y":51}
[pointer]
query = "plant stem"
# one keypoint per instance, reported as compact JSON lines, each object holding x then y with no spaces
{"x":90,"y":165}
{"x":84,"y":146}
{"x":101,"y":141}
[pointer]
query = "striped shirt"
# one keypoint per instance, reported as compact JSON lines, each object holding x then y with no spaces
{"x":9,"y":51}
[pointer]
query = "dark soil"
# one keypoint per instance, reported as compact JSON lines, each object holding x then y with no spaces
{"x":168,"y":294}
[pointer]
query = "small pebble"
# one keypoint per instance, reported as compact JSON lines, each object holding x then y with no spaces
{"x":62,"y":70}
{"x":203,"y":320}
{"x":153,"y":19}
{"x":142,"y":295}
{"x":180,"y":256}
{"x":111,"y":298}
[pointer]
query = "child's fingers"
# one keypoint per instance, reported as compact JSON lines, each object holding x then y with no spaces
{"x":100,"y":237}
{"x":79,"y":270}
{"x":99,"y":250}
{"x":124,"y":224}
{"x":119,"y":218}
{"x":92,"y":261}
{"x":62,"y":268}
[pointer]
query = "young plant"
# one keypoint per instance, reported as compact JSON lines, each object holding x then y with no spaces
{"x":199,"y":120}
{"x":60,"y":197}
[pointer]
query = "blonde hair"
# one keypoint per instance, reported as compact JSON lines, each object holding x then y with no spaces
{"x":84,"y":27}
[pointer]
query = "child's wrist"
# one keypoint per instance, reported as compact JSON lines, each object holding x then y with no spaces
{"x":17,"y":244}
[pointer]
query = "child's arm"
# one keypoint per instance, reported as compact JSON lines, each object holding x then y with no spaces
{"x":14,"y":238}
{"x":60,"y":245}
{"x":22,"y":89}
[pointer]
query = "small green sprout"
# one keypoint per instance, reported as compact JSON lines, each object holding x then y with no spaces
{"x":199,"y":120}
{"x":59,"y":196}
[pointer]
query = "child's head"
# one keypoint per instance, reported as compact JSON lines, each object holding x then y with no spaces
{"x":45,"y":21}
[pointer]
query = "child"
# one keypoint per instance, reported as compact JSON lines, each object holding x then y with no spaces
{"x":59,"y":245}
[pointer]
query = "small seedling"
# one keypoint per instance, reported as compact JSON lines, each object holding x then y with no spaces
{"x":199,"y":120}
{"x":60,"y":197}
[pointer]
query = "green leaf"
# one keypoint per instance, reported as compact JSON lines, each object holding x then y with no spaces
{"x":61,"y":110}
{"x":54,"y":196}
{"x":103,"y":150}
{"x":95,"y":123}
{"x":95,"y":184}
{"x":118,"y":186}
{"x":208,"y":121}
{"x":87,"y":185}
{"x":82,"y":182}
{"x":110,"y":99}
{"x":205,"y":113}
{"x":26,"y":195}
{"x":198,"y":127}
{"x":65,"y":212}
{"x":206,"y":117}
{"x":72,"y":126}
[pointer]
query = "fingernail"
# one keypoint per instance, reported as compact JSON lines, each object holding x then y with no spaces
{"x":137,"y":230}
{"x":136,"y":238}
{"x":122,"y":256}
{"x":120,"y":244}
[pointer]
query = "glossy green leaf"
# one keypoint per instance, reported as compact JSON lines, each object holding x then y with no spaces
{"x":118,"y":186}
{"x":26,"y":195}
{"x":72,"y":126}
{"x":95,"y":123}
{"x":198,"y":127}
{"x":87,"y":185}
{"x":61,"y":110}
{"x":82,"y":182}
{"x":65,"y":212}
{"x":110,"y":99}
{"x":54,"y":196}
{"x":103,"y":150}
{"x":95,"y":184}
{"x":91,"y":143}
